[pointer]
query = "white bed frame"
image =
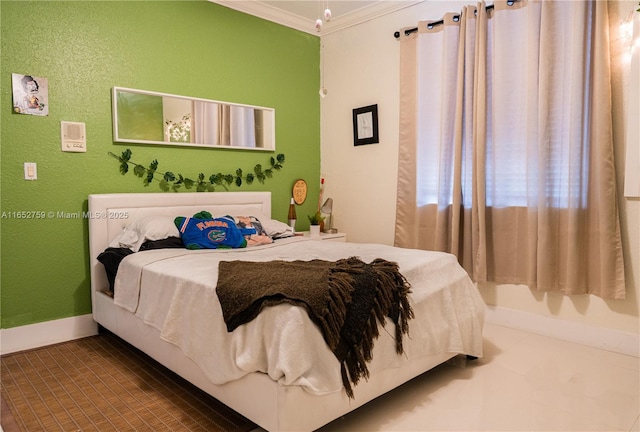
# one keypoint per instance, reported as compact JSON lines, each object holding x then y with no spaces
{"x":272,"y":406}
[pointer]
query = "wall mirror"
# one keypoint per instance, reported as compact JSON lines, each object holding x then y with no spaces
{"x":146,"y":117}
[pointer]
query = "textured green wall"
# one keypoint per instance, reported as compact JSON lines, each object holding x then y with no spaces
{"x":84,"y":48}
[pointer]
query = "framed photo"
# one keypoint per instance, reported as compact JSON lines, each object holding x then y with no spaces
{"x":365,"y":125}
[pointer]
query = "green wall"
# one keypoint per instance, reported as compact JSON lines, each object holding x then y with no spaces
{"x":84,"y":48}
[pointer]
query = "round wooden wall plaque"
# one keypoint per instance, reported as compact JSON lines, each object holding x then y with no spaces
{"x":299,"y":191}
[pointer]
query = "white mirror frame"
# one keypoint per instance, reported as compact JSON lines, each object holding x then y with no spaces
{"x":246,"y":127}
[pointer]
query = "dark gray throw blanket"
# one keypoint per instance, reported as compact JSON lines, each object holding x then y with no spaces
{"x":346,"y":299}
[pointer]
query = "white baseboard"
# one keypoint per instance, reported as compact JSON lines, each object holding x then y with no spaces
{"x":46,"y":333}
{"x":599,"y":337}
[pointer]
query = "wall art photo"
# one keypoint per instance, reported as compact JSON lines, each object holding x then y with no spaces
{"x":365,"y":125}
{"x":30,"y":95}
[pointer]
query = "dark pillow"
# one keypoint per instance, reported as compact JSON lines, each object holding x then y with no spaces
{"x":168,"y":243}
{"x":110,"y":259}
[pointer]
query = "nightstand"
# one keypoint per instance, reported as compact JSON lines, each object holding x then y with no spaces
{"x":338,"y":237}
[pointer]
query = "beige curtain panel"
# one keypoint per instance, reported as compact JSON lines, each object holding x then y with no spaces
{"x":506,"y":153}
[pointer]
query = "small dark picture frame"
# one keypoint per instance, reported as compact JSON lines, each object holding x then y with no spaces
{"x":365,"y":125}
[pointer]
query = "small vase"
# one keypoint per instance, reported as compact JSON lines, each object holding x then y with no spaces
{"x":314,"y":230}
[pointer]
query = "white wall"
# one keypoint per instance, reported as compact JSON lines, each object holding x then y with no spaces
{"x":361,"y":67}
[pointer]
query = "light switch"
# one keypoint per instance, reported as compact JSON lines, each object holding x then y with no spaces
{"x":30,"y":171}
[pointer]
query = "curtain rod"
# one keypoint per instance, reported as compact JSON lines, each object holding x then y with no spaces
{"x":408,"y":31}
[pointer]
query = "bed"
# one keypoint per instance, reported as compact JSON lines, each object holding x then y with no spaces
{"x":278,"y":372}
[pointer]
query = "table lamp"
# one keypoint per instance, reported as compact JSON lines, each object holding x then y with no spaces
{"x":327,"y":208}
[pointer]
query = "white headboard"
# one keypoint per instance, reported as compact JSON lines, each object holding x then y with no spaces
{"x":110,"y":213}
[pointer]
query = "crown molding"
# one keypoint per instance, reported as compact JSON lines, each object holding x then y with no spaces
{"x":270,"y":13}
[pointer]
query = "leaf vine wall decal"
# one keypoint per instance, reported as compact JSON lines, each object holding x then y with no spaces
{"x":168,"y":181}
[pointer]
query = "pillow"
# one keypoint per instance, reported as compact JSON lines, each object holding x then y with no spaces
{"x":203,"y":232}
{"x":276,"y":229}
{"x":143,"y":229}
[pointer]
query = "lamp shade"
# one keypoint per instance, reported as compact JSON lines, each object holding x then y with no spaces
{"x":327,"y":207}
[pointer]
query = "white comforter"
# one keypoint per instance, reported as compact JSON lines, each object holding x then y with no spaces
{"x":173,"y":290}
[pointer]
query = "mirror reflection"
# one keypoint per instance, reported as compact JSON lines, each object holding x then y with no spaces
{"x":156,"y":118}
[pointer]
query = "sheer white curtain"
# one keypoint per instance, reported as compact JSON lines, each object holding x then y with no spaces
{"x":242,"y":126}
{"x":632,"y":157}
{"x":207,"y":124}
{"x":224,"y":125}
{"x":506,"y":155}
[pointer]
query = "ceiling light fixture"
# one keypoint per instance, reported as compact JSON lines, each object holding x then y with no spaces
{"x":327,"y":16}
